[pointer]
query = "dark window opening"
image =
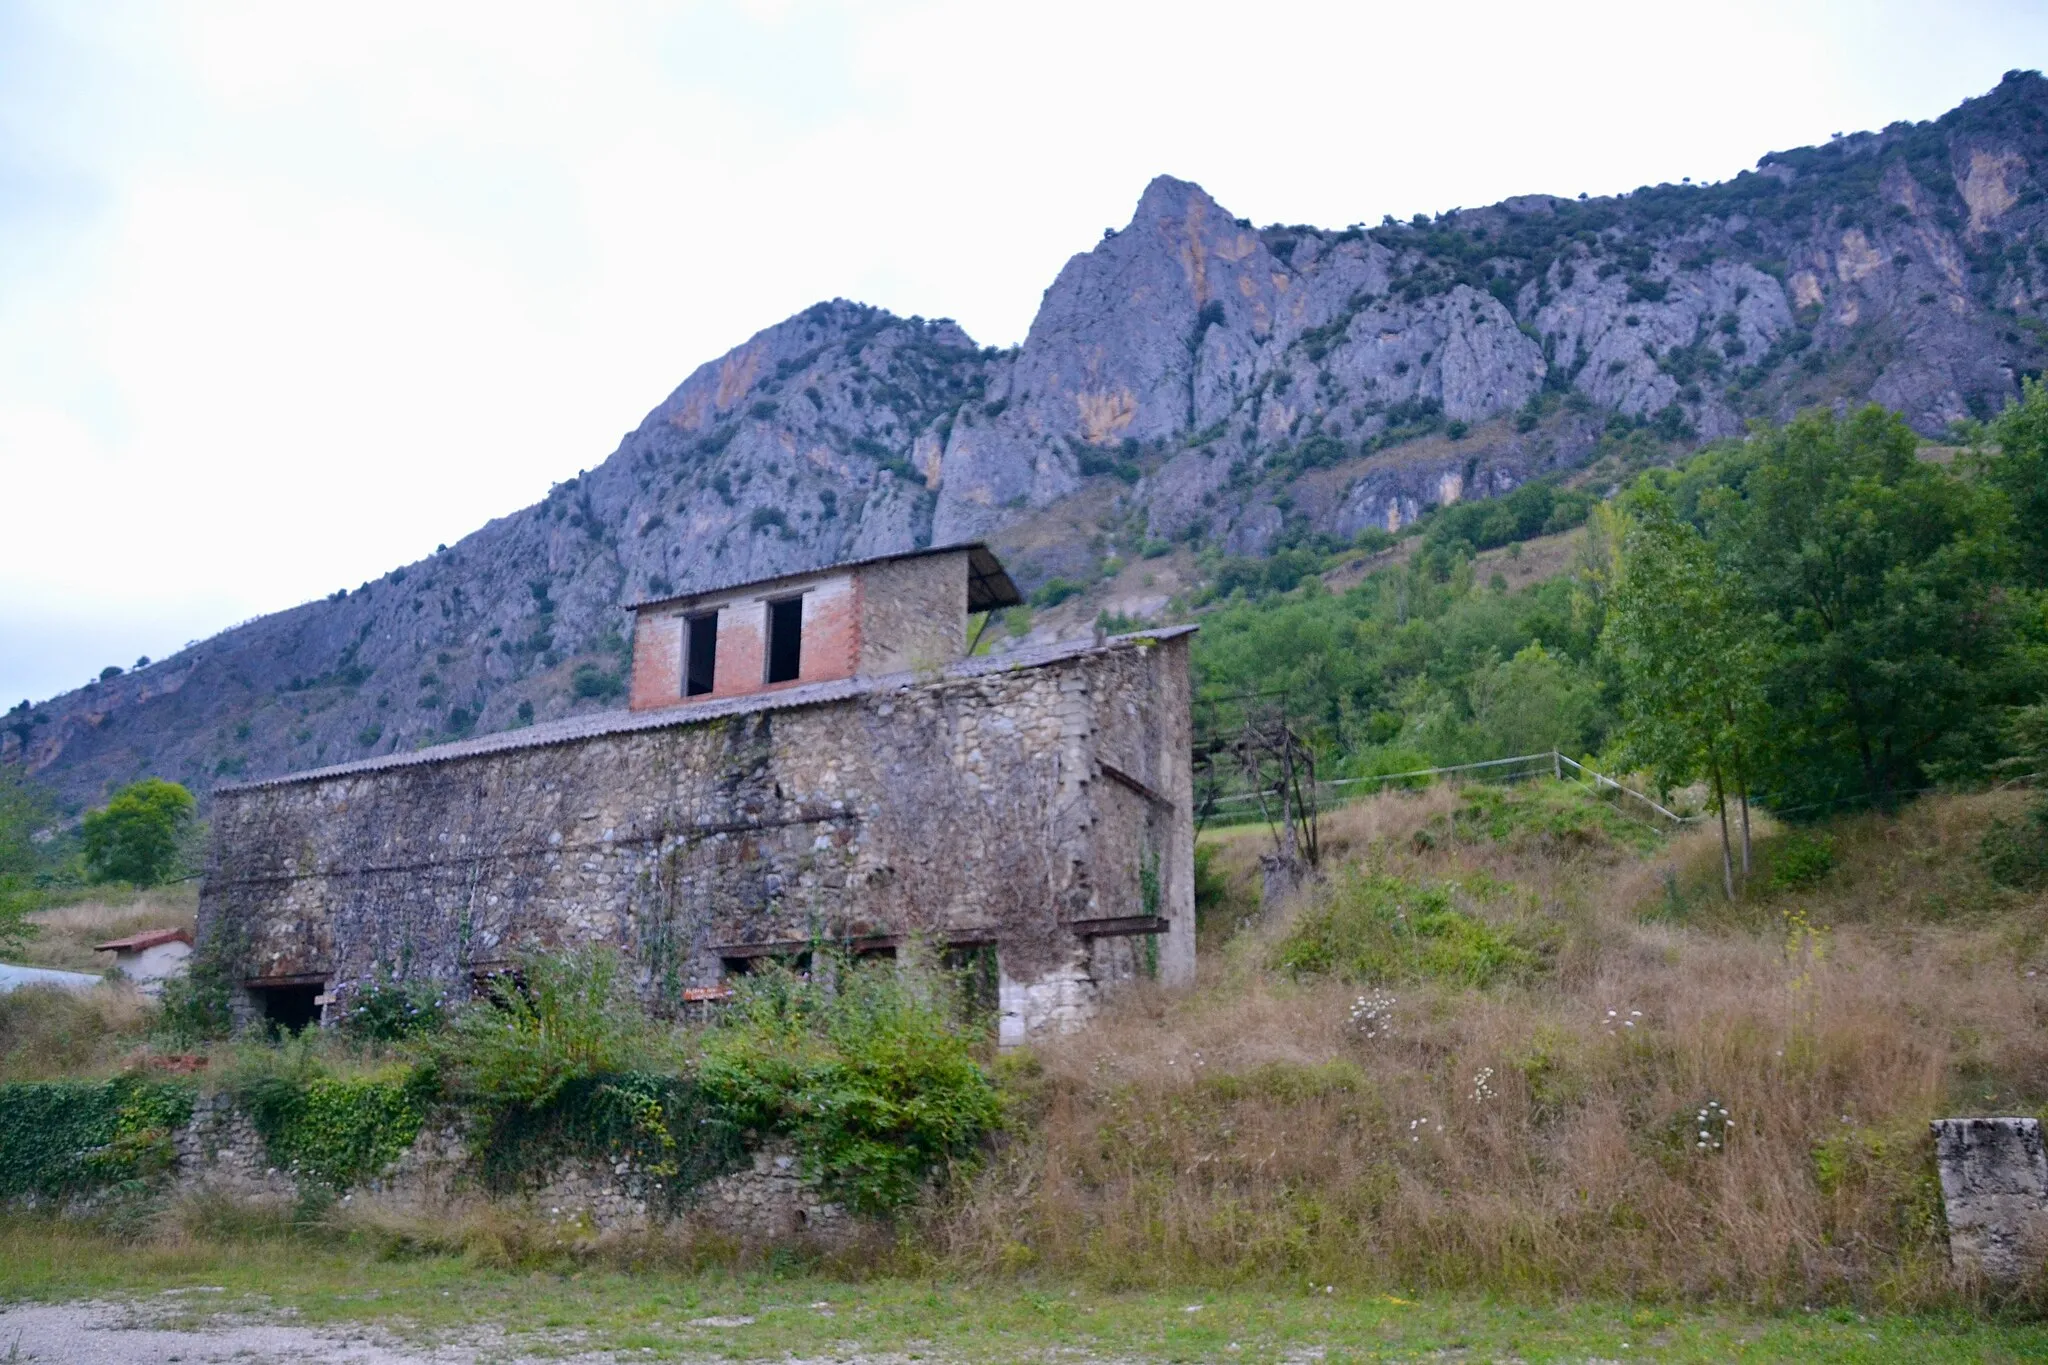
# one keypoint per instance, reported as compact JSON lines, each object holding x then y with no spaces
{"x":498,"y":985}
{"x":288,"y":1009}
{"x":754,"y":962}
{"x":700,"y":659}
{"x":785,"y":639}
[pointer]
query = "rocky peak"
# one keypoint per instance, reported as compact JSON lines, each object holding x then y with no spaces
{"x":1188,"y":378}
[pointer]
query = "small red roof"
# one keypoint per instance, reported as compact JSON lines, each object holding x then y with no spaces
{"x":135,"y":943}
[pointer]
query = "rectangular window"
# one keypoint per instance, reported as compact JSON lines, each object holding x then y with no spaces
{"x":700,"y":654}
{"x":785,"y":639}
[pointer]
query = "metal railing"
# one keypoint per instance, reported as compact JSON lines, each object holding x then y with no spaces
{"x":1551,"y":763}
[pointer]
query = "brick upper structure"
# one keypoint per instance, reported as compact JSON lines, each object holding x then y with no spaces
{"x":902,"y":613}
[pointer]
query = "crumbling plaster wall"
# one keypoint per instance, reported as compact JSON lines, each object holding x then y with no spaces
{"x":966,"y":808}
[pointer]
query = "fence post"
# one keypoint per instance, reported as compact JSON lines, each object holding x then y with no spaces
{"x":1556,"y":766}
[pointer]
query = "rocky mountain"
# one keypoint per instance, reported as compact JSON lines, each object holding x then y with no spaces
{"x":1191,"y":386}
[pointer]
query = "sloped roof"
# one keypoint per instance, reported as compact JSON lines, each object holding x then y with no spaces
{"x":988,"y":583}
{"x":149,"y":938}
{"x":574,"y":728}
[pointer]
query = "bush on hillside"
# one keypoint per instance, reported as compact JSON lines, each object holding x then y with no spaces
{"x":1801,"y":860}
{"x":2015,"y":852}
{"x":1373,"y":928}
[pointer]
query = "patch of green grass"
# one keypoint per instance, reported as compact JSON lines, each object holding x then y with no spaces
{"x":1559,"y":816}
{"x":1371,"y":927}
{"x":938,"y":1318}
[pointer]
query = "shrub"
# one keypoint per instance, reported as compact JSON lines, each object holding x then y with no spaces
{"x":1373,"y":928}
{"x":559,"y":1018}
{"x":2015,"y":853}
{"x":1801,"y":860}
{"x":589,"y":680}
{"x":135,"y":837}
{"x":197,"y":1007}
{"x":1055,"y":591}
{"x":873,"y":1076}
{"x":383,"y":1010}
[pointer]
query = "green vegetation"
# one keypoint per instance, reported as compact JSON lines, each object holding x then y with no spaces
{"x":872,"y":1072}
{"x":336,"y":1131}
{"x":595,"y":681}
{"x":561,"y":1017}
{"x":674,"y":1311}
{"x":1814,"y":618}
{"x":61,"y":1138}
{"x":1403,"y":671}
{"x":1535,"y":509}
{"x":24,"y":812}
{"x":877,"y":1083}
{"x":139,"y":835}
{"x":1379,"y":929}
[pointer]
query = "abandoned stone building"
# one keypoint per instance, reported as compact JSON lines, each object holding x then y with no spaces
{"x":816,"y":759}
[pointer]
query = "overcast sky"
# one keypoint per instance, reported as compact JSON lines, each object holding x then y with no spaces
{"x":290,"y":293}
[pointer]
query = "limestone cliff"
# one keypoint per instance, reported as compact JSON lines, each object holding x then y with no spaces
{"x":1206,"y":382}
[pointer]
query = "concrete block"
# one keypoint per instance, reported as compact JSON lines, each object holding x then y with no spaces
{"x":1994,"y":1189}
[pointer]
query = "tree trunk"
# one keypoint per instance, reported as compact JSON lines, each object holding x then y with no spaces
{"x":1744,"y":799}
{"x":1727,"y":854}
{"x":1742,"y":795}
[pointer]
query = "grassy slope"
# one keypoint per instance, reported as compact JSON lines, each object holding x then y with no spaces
{"x":1246,"y":1131}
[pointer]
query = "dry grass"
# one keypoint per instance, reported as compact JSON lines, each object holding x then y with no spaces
{"x":65,"y":935}
{"x":1244,"y":1130}
{"x":46,"y":1032}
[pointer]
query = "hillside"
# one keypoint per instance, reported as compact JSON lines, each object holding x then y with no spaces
{"x":1190,"y":381}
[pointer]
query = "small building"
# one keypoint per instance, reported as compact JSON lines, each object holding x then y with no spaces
{"x":150,"y":958}
{"x":812,"y":760}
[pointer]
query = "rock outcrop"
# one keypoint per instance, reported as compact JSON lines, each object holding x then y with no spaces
{"x":1230,"y":386}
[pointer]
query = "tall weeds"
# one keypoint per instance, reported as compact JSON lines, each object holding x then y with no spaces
{"x":1543,"y":1135}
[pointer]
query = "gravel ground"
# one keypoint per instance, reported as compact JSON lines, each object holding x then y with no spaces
{"x":99,"y":1332}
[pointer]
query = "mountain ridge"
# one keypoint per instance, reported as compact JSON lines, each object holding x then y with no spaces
{"x":1189,"y":381}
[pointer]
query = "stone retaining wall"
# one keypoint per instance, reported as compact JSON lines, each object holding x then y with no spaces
{"x":221,"y":1154}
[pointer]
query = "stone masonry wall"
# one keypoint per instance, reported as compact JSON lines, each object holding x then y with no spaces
{"x":913,"y":613}
{"x":220,"y":1154}
{"x":1007,"y":805}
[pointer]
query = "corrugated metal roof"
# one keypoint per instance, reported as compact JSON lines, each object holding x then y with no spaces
{"x":988,"y":583}
{"x":700,"y":712}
